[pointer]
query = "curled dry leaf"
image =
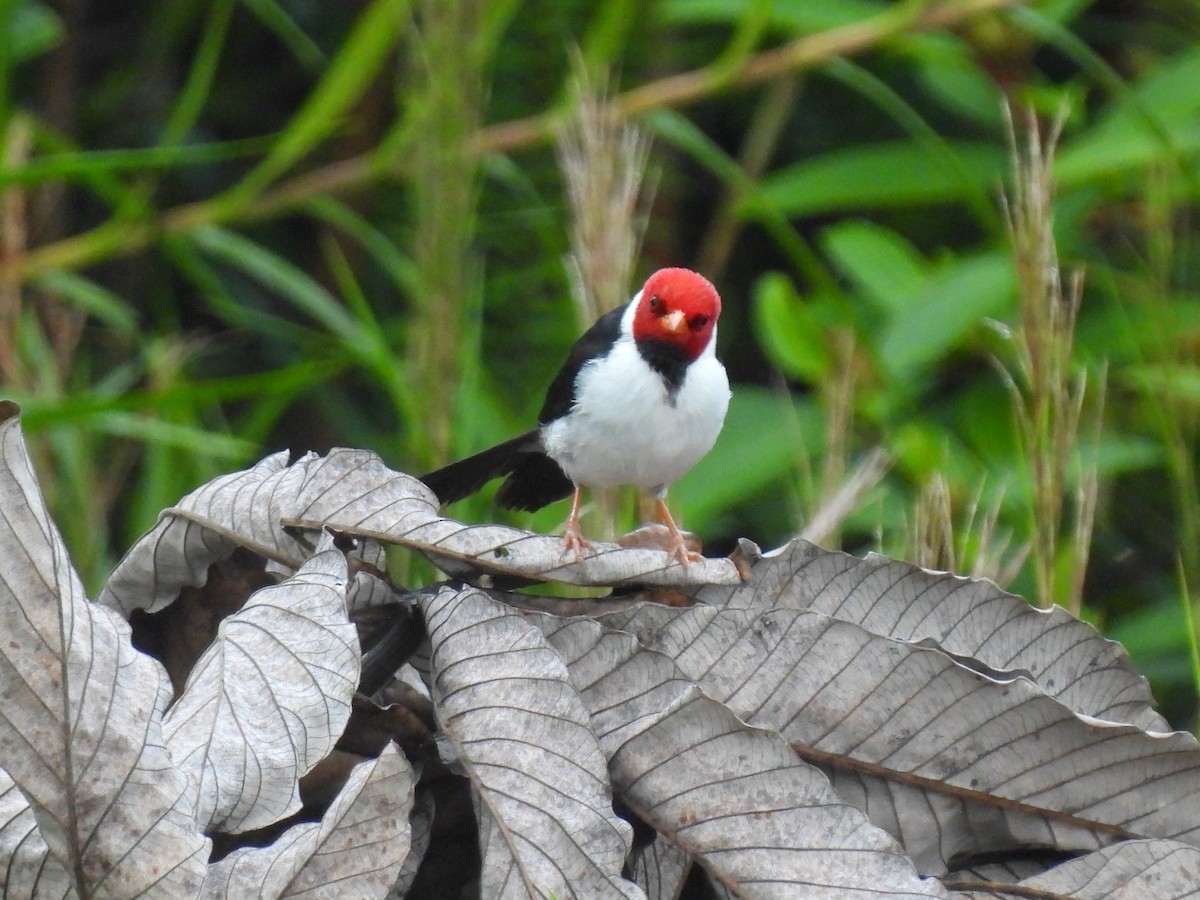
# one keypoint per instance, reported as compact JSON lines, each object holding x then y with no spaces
{"x":27,"y":866}
{"x":80,"y":726}
{"x":949,"y":761}
{"x":269,"y":698}
{"x":421,"y":827}
{"x":522,"y":735}
{"x":1134,"y":870}
{"x":372,"y":726}
{"x":972,"y":619}
{"x":735,"y":798}
{"x":357,"y":849}
{"x":179,"y":634}
{"x":353,"y":491}
{"x":660,"y":868}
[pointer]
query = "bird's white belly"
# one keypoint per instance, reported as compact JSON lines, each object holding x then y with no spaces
{"x":624,"y":429}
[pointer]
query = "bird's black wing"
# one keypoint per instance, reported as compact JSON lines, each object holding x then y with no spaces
{"x":597,"y":341}
{"x":534,"y":479}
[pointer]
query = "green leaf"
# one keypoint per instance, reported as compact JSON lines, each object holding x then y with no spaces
{"x":1117,"y":454}
{"x":1156,"y":637}
{"x":282,"y":276}
{"x":797,"y":16}
{"x":1179,"y":382}
{"x":609,"y":32}
{"x":41,"y":411}
{"x":33,"y":29}
{"x":680,"y":132}
{"x":923,"y":448}
{"x":891,"y":174}
{"x":765,"y":436}
{"x":892,"y":104}
{"x":87,"y":166}
{"x":949,"y":70}
{"x":884,"y":267}
{"x":936,"y":318}
{"x":389,"y":256}
{"x":1158,"y":121}
{"x":198,"y":87}
{"x":788,"y":331}
{"x":197,"y":440}
{"x":291,"y":35}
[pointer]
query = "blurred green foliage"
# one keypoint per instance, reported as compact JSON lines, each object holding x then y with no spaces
{"x":229,"y":227}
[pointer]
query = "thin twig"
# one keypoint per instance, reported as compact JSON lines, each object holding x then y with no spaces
{"x":834,"y":509}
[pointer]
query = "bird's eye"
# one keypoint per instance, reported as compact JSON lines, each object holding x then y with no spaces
{"x":656,"y":304}
{"x":697,"y":322}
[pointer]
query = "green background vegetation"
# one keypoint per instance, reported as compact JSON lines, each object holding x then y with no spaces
{"x":231,"y":227}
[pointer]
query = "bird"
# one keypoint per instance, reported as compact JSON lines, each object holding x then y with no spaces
{"x":640,"y":399}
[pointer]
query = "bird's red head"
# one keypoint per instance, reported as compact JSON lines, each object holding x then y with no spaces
{"x":679,"y":307}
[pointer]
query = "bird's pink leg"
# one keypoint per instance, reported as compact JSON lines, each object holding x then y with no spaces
{"x":573,"y":538}
{"x":678,"y":547}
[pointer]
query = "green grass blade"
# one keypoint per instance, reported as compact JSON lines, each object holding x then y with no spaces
{"x":281,"y":276}
{"x":291,"y":35}
{"x":977,"y":195}
{"x":348,"y":76}
{"x":395,"y":262}
{"x":203,"y":70}
{"x":93,"y":299}
{"x":89,"y":166}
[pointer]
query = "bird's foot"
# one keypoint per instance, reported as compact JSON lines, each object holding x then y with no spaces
{"x":678,"y":548}
{"x":573,"y":539}
{"x":575,"y":542}
{"x":677,"y":544}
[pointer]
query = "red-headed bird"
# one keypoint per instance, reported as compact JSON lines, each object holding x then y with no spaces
{"x":640,"y":400}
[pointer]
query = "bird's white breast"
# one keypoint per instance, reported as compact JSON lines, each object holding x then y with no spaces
{"x":626,"y":428}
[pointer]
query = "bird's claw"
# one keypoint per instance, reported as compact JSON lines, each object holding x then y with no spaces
{"x":574,"y":541}
{"x":682,"y":554}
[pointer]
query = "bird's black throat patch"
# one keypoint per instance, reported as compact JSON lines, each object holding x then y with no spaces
{"x":668,"y":361}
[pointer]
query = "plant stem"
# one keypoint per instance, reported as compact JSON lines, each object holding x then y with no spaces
{"x":448,"y":79}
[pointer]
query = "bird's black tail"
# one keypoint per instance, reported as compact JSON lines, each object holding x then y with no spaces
{"x":535,"y":481}
{"x":465,"y":477}
{"x":534,"y":478}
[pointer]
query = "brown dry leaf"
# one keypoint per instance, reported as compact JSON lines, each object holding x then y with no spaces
{"x":353,"y":491}
{"x":269,"y":699}
{"x":81,"y":722}
{"x":358,"y":846}
{"x":733,"y":797}
{"x":372,"y":726}
{"x":950,"y":761}
{"x":972,"y":619}
{"x":524,"y":739}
